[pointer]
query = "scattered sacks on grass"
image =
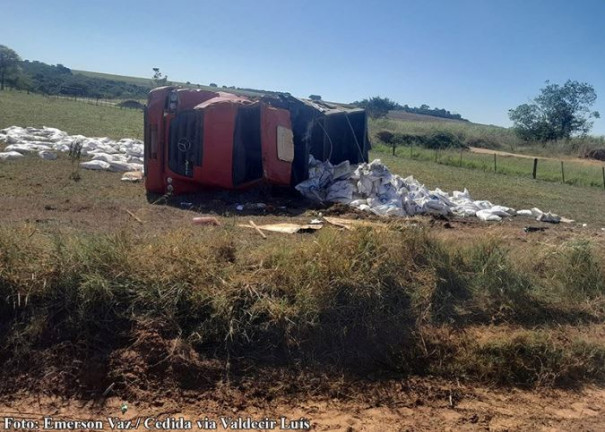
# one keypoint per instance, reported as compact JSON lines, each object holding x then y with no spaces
{"x":372,"y":187}
{"x":106,"y":154}
{"x":368,"y":186}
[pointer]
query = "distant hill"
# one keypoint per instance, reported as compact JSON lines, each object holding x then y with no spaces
{"x":57,"y":79}
{"x":147,"y":82}
{"x":143,"y":82}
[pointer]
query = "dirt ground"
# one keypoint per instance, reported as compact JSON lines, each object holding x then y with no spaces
{"x":411,"y":406}
{"x":49,"y":201}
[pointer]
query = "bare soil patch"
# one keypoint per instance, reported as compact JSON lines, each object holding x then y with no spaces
{"x":524,"y":156}
{"x":410,"y":406}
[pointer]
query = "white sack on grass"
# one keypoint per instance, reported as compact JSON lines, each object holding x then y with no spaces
{"x":120,"y":166}
{"x":96,"y":165}
{"x":487,"y":215}
{"x":372,"y":187}
{"x":48,"y":141}
{"x":11,"y":155}
{"x":549,"y":217}
{"x":27,"y":148}
{"x":47,"y":155}
{"x":109,"y":157}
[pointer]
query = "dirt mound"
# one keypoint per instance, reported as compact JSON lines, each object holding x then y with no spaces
{"x":157,"y":360}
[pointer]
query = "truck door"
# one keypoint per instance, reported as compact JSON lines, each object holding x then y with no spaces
{"x":277,"y":144}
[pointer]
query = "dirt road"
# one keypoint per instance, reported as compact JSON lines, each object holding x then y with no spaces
{"x":470,"y":409}
{"x":524,"y":156}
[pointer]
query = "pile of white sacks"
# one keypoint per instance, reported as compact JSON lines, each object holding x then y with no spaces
{"x":372,"y":187}
{"x":105,"y":153}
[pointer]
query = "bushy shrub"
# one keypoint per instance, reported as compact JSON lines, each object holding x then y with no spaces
{"x":386,"y":136}
{"x":435,"y":140}
{"x":442,"y":140}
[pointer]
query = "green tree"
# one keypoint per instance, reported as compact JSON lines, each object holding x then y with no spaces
{"x":158,"y":79}
{"x":558,"y":112}
{"x":377,"y":106}
{"x":9,"y":65}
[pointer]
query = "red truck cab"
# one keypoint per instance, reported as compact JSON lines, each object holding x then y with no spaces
{"x":203,"y":139}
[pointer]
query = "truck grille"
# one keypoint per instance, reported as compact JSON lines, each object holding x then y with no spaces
{"x":186,"y":142}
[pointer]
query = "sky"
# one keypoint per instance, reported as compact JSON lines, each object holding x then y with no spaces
{"x":478,"y":58}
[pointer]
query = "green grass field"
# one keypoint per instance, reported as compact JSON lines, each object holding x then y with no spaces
{"x":145,"y":82}
{"x":22,"y":109}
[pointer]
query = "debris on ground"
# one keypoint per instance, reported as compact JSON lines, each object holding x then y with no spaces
{"x":286,"y":228}
{"x":106,"y":154}
{"x":350,"y":223}
{"x":529,"y":229}
{"x":132,"y":176}
{"x":253,"y":225}
{"x":206,"y":220}
{"x":372,"y":187}
{"x":135,"y":217}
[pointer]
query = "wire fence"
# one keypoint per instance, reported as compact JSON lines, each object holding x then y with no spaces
{"x":589,"y":173}
{"x":130,"y":103}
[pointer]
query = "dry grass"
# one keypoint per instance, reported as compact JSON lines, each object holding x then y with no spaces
{"x":391,"y":299}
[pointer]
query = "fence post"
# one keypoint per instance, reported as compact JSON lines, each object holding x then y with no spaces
{"x":460,"y":157}
{"x":535,"y":171}
{"x":495,"y":166}
{"x":393,"y":149}
{"x":562,"y":172}
{"x":411,"y":151}
{"x":603,"y":168}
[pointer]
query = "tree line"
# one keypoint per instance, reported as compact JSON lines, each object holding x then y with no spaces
{"x":379,"y":107}
{"x":57,"y":79}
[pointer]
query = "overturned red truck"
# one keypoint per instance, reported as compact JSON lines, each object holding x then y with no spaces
{"x":197,"y":139}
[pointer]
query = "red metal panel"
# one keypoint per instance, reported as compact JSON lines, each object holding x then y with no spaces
{"x":189,"y":98}
{"x":275,"y":170}
{"x":216,"y":169}
{"x":154,"y":176}
{"x":224,"y":97}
